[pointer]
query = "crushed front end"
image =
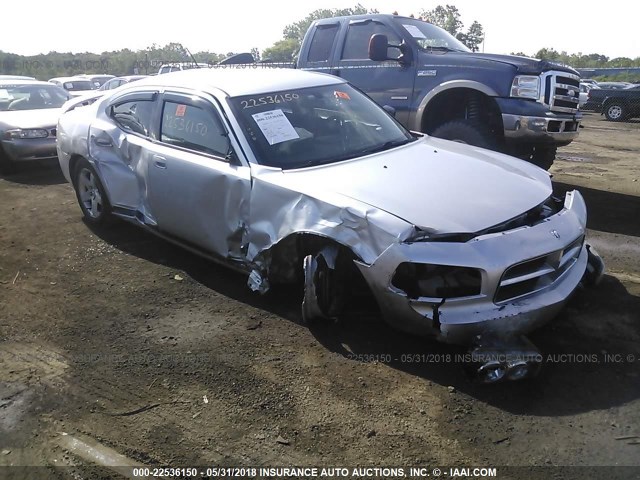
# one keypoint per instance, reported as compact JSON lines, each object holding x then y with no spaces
{"x":500,"y":283}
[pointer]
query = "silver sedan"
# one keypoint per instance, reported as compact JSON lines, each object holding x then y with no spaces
{"x":295,"y":176}
{"x":28,"y":117}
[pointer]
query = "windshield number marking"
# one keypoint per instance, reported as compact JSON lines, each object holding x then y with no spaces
{"x":268,"y":99}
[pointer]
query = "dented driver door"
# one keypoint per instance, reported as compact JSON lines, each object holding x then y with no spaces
{"x":194,"y":191}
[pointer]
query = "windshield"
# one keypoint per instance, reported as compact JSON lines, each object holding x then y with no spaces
{"x":31,"y":97}
{"x":76,"y":85}
{"x":314,"y":126}
{"x":429,"y":36}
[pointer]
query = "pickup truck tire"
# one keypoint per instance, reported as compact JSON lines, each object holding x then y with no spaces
{"x":615,"y":112}
{"x":465,"y":131}
{"x":543,"y":157}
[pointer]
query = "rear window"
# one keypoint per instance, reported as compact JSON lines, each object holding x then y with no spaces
{"x":322,"y":43}
{"x":78,"y":85}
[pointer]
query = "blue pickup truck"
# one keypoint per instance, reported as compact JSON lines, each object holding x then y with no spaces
{"x":434,"y":84}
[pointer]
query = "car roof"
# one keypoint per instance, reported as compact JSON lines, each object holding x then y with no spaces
{"x":16,"y":77}
{"x":237,"y":81}
{"x":70,"y":79}
{"x":364,"y":16}
{"x":95,"y":75}
{"x":23,"y":82}
{"x":129,"y":77}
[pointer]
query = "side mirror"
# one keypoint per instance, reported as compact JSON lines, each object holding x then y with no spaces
{"x":378,"y":45}
{"x":390,"y":110}
{"x":406,"y":54}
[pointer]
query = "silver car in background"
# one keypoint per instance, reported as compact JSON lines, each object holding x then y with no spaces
{"x":297,"y":176}
{"x":28,"y":117}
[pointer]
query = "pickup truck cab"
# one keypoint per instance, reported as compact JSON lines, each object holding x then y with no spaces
{"x":434,"y":84}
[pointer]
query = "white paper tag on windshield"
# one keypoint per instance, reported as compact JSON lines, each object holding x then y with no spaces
{"x":275,"y":126}
{"x":414,"y":31}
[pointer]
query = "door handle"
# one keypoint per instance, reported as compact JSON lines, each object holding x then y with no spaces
{"x":159,"y":161}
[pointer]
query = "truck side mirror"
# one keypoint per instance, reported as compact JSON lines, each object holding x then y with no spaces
{"x":378,"y":45}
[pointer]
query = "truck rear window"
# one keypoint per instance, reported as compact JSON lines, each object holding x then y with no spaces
{"x":322,"y":43}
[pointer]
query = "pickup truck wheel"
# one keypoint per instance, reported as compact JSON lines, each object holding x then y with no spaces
{"x":324,"y":286}
{"x":543,"y":157}
{"x":465,"y":131}
{"x":615,"y":112}
{"x":90,"y":193}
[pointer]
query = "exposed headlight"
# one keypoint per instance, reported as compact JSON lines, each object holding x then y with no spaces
{"x":526,"y":86}
{"x":436,"y":281}
{"x":27,"y":133}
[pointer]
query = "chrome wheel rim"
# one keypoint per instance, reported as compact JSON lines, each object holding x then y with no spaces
{"x":615,"y":111}
{"x":89,"y":193}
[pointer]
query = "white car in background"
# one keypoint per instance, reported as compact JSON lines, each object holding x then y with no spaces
{"x":584,"y":92}
{"x":76,"y":86}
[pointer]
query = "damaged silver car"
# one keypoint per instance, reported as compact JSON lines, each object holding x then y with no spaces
{"x":297,"y":176}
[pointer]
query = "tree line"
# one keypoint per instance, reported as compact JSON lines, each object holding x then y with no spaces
{"x":149,"y":60}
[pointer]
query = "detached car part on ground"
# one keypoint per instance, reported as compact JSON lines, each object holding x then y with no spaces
{"x":296,"y":176}
{"x":28,"y":116}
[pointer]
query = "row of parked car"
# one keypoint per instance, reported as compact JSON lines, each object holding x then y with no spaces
{"x":29,"y":111}
{"x":81,"y":84}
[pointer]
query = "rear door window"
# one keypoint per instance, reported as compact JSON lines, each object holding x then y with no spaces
{"x":189,"y":126}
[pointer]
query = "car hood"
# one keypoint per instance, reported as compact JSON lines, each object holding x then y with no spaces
{"x":434,"y":184}
{"x":523,"y":64}
{"x":41,"y":118}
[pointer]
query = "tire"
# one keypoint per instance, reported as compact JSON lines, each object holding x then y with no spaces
{"x":90,"y":193}
{"x":465,"y":131}
{"x":324,"y":286}
{"x":615,"y":112}
{"x":539,"y":155}
{"x":7,"y":167}
{"x":543,"y":157}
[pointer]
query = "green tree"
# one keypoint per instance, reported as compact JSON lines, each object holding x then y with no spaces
{"x":448,"y":18}
{"x":473,"y":37}
{"x":444,"y":17}
{"x":282,"y":51}
{"x":547,"y":54}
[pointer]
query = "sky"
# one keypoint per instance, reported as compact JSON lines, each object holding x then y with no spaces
{"x":237,"y":26}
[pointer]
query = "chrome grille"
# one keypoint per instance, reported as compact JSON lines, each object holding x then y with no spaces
{"x":561,"y":91}
{"x":537,"y":273}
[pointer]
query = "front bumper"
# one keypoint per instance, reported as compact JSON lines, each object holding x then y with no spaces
{"x":526,"y":121}
{"x":554,"y":130}
{"x":30,"y":149}
{"x":459,"y":320}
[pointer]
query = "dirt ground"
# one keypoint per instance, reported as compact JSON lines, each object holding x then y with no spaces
{"x":114,"y":342}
